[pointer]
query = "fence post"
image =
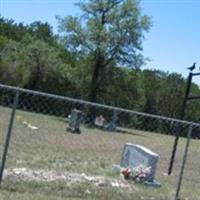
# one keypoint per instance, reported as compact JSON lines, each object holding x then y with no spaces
{"x":9,"y":131}
{"x":183,"y":162}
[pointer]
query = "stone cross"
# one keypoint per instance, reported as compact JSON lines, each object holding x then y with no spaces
{"x":112,"y":126}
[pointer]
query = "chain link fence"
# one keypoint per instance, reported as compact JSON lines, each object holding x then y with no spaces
{"x":191,"y":183}
{"x":59,"y":134}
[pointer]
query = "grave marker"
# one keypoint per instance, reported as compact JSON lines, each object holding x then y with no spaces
{"x":112,"y":126}
{"x":75,"y":120}
{"x":135,"y":155}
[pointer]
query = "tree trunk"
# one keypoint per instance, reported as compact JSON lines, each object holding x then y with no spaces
{"x":35,"y":77}
{"x":94,"y":87}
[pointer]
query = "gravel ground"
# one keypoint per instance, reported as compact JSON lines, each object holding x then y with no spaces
{"x":70,"y":178}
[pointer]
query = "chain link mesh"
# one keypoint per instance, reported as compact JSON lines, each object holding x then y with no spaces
{"x":44,"y":138}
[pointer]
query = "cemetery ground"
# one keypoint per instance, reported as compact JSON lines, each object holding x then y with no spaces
{"x":51,"y":163}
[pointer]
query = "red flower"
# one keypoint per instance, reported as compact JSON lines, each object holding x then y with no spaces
{"x":126,"y":172}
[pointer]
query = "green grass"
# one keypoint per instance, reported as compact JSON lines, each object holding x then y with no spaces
{"x":93,"y":152}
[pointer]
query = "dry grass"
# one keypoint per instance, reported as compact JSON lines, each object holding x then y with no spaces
{"x":93,"y":152}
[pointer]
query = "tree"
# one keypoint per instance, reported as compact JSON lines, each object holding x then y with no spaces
{"x":35,"y":65}
{"x":153,"y":85}
{"x":123,"y":88}
{"x":42,"y":31}
{"x":3,"y":41}
{"x":12,"y":30}
{"x":16,"y":31}
{"x":108,"y":32}
{"x":172,"y":94}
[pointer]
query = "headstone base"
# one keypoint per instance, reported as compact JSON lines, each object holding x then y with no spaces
{"x":111,"y":127}
{"x":153,"y":184}
{"x":117,"y":169}
{"x":71,"y":130}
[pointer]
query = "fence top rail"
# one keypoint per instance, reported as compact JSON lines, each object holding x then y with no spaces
{"x":159,"y":117}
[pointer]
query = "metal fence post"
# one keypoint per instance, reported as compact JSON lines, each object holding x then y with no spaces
{"x":7,"y":141}
{"x":183,"y":162}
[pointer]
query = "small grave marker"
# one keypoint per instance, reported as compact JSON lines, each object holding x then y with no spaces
{"x":100,"y":121}
{"x":112,"y":126}
{"x":75,"y":120}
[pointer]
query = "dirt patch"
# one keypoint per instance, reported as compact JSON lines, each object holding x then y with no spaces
{"x":70,"y":178}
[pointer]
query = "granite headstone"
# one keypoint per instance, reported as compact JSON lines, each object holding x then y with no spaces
{"x":75,"y":120}
{"x":134,"y":155}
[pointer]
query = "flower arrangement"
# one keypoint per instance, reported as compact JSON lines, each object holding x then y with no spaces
{"x":139,"y":173}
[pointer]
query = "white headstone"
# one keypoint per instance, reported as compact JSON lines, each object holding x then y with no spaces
{"x":134,"y":155}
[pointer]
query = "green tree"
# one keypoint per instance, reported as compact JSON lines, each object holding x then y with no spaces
{"x":3,"y":41}
{"x":153,"y":85}
{"x":42,"y":31}
{"x":123,"y":88}
{"x":12,"y":30}
{"x":109,"y":32}
{"x":37,"y":29}
{"x":35,"y":65}
{"x":172,"y":94}
{"x":192,"y":110}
